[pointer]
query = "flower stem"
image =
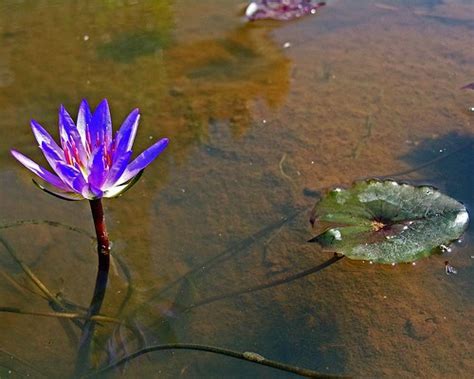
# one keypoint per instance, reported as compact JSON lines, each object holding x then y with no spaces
{"x":103,"y":251}
{"x":103,"y":244}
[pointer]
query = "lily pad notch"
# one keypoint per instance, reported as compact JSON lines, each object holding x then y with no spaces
{"x":384,"y":221}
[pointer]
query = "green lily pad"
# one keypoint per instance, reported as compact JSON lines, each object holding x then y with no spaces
{"x":388,"y":222}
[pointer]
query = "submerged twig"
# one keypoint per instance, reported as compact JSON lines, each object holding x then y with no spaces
{"x":426,"y":164}
{"x":274,"y":283}
{"x":56,"y":224}
{"x":51,"y":298}
{"x":130,"y":289}
{"x":20,"y":287}
{"x":23,"y":362}
{"x":229,"y":252}
{"x":363,"y":140}
{"x":75,"y":229}
{"x":245,"y":356}
{"x":282,"y":171}
{"x":81,"y":316}
{"x":226,"y":254}
{"x":55,"y":302}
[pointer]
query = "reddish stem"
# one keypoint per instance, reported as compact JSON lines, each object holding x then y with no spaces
{"x":103,"y":243}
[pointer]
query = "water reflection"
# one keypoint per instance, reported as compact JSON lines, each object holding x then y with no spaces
{"x":128,"y":50}
{"x":221,"y":79}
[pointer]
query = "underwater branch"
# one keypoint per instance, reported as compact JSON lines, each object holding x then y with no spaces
{"x":246,"y":356}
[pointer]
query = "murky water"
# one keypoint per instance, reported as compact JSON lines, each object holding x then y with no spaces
{"x":262,"y":117}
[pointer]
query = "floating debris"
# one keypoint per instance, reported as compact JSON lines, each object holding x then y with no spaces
{"x":251,"y":356}
{"x":281,"y":9}
{"x":468,"y":86}
{"x":386,"y":7}
{"x":445,"y":249}
{"x":449,"y":269}
{"x":388,"y":222}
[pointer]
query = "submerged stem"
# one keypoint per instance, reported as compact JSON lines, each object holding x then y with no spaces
{"x":263,"y":286}
{"x":246,"y":356}
{"x":103,"y":251}
{"x":73,"y":316}
{"x":54,"y":302}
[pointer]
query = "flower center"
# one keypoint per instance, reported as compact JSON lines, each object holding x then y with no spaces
{"x":377,"y":225}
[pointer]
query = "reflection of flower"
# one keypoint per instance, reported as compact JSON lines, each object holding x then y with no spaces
{"x":90,"y":163}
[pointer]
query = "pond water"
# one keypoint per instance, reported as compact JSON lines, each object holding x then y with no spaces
{"x":262,"y":118}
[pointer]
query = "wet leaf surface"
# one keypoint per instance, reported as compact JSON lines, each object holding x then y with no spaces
{"x":388,"y":222}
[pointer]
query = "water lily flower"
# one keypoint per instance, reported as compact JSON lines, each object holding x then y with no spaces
{"x":90,"y":163}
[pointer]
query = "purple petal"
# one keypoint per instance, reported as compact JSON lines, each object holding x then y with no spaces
{"x":52,"y":155}
{"x":117,"y":168}
{"x":66,"y":126}
{"x":84,"y":117}
{"x":100,"y":127}
{"x":143,"y":160}
{"x":121,"y":189}
{"x":42,"y":136}
{"x":98,"y":169}
{"x":95,"y":192}
{"x":40,"y":171}
{"x":71,"y":176}
{"x":70,"y":137}
{"x":126,"y":134}
{"x":90,"y":192}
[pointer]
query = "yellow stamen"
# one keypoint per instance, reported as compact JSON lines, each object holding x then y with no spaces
{"x":377,"y":225}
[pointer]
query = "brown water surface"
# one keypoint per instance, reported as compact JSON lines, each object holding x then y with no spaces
{"x":262,"y":118}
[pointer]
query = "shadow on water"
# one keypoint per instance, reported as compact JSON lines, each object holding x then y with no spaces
{"x":447,"y":162}
{"x":274,"y":283}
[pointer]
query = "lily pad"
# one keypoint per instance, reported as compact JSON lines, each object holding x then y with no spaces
{"x":387,"y":222}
